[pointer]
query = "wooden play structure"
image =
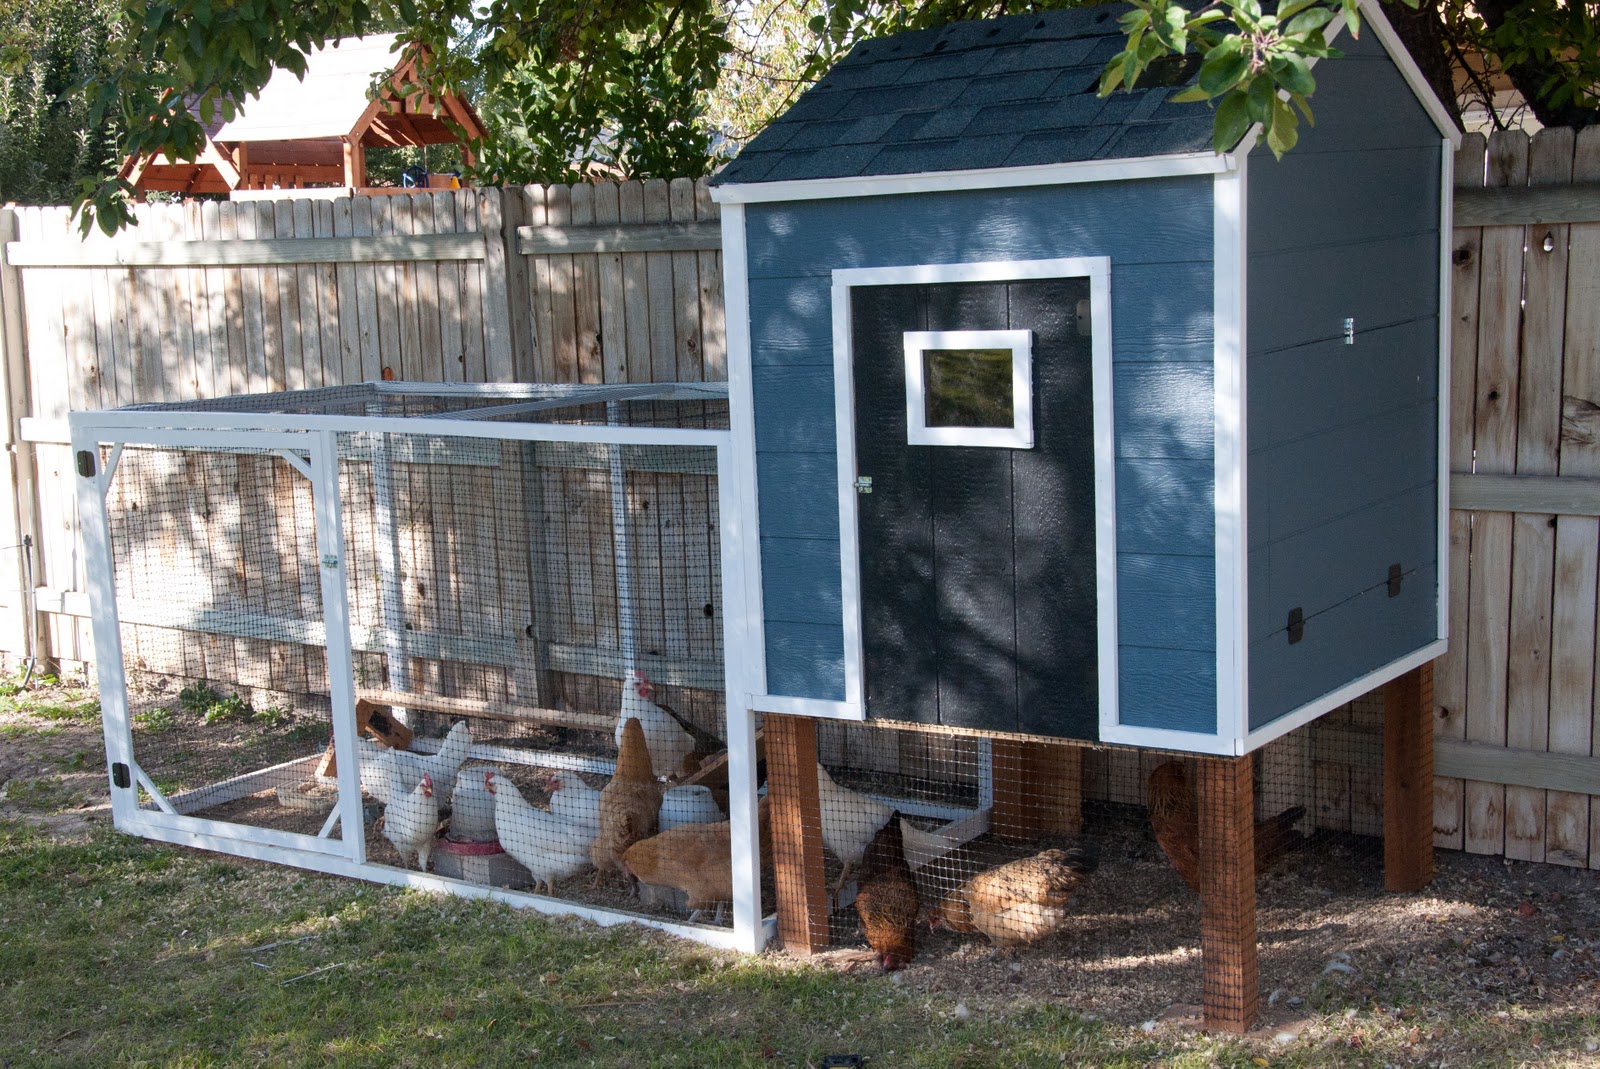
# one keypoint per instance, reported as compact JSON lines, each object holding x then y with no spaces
{"x":314,"y":132}
{"x":1068,"y":431}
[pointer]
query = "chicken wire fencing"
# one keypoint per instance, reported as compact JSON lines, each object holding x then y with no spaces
{"x":512,"y":603}
{"x":974,"y":856}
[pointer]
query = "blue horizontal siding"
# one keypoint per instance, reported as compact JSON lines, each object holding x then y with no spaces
{"x":1167,"y":601}
{"x":812,"y":238}
{"x":1161,"y":318}
{"x":1174,"y":689}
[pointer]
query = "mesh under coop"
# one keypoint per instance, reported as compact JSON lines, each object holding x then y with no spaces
{"x":972,"y":856}
{"x":512,"y":593}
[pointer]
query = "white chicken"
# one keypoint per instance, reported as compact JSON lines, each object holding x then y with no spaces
{"x":850,"y":820}
{"x":548,"y":846}
{"x":573,"y":800}
{"x":668,"y":741}
{"x":411,"y":821}
{"x":693,"y":804}
{"x":378,"y":781}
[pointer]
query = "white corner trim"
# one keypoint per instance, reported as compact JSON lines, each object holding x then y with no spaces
{"x":1168,"y":739}
{"x":1020,"y":344}
{"x":1097,"y":269}
{"x":821,"y":708}
{"x":1446,"y":302}
{"x":1230,"y":264}
{"x":742,"y":428}
{"x":1347,"y":693}
{"x":1048,"y":174}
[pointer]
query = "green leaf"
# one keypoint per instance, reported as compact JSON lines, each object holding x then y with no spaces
{"x":1294,"y":7}
{"x":1193,"y":93}
{"x":1222,"y":71}
{"x":1281,"y":134}
{"x":1314,"y":19}
{"x":1231,"y":122}
{"x":1293,"y":74}
{"x":1352,"y":18}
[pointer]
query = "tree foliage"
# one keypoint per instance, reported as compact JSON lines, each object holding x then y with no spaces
{"x":47,"y":143}
{"x":653,"y":88}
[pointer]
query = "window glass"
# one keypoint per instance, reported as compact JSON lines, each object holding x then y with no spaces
{"x":968,"y":387}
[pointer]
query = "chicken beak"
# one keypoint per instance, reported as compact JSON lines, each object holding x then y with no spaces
{"x":488,"y":782}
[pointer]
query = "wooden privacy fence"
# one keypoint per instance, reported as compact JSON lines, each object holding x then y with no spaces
{"x":616,"y":282}
{"x":1517,"y":721}
{"x":622,"y":283}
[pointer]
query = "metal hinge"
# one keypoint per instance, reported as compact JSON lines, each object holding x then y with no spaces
{"x":1297,"y":625}
{"x":863,"y":484}
{"x":1395,"y":577}
{"x":86,"y":463}
{"x":120,"y":776}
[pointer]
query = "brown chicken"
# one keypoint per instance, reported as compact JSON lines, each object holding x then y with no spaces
{"x":630,"y":805}
{"x":887,"y":900}
{"x":1175,"y":820}
{"x":694,"y":858}
{"x":1018,"y":902}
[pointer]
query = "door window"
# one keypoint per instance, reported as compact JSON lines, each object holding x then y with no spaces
{"x":969,"y":388}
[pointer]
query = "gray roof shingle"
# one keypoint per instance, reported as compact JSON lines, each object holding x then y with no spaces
{"x":998,"y":92}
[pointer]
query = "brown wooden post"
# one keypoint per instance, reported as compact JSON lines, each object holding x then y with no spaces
{"x":795,"y":810}
{"x":1038,"y":789}
{"x":1408,"y":780}
{"x":1230,"y":984}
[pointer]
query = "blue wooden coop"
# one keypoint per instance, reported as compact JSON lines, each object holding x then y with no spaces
{"x":1057,"y":423}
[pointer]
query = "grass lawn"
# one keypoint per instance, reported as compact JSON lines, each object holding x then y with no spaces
{"x":119,"y":952}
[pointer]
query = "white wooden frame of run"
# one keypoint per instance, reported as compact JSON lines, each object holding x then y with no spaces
{"x":310,"y":444}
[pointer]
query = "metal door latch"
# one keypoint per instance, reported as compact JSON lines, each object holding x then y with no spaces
{"x":863,"y":484}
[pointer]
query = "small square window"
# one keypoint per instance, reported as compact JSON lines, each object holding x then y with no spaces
{"x":969,"y":387}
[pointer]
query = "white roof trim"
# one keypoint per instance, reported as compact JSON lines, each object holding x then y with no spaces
{"x":1373,"y":13}
{"x":1047,"y":174}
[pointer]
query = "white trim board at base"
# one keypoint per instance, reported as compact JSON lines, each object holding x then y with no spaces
{"x":722,"y":938}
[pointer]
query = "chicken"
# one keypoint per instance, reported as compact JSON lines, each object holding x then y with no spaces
{"x":550,"y":847}
{"x":668,"y":740}
{"x":1018,"y":902}
{"x":573,"y":800}
{"x":850,"y":820}
{"x":411,"y":821}
{"x":887,"y":900}
{"x":1175,"y":820}
{"x":442,"y":766}
{"x":689,"y":805}
{"x":694,"y":858}
{"x":630,"y":805}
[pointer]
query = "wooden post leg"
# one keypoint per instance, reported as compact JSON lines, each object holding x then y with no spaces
{"x":1408,"y":781}
{"x":1230,"y":987}
{"x":1038,"y":789}
{"x":795,"y":812}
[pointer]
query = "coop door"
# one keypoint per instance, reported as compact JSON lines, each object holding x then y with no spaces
{"x":215,"y":563}
{"x":974,"y":424}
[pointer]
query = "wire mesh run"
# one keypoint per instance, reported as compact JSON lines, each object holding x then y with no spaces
{"x":536,"y":639}
{"x":965,"y":855}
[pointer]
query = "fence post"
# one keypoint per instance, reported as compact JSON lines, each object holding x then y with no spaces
{"x":1408,"y":780}
{"x":1230,"y":981}
{"x":19,"y":518}
{"x":795,"y":811}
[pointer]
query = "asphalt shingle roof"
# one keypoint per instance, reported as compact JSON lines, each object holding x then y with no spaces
{"x":1001,"y":92}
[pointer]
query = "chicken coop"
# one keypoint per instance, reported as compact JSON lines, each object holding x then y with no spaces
{"x":1068,"y":434}
{"x":437,"y":601}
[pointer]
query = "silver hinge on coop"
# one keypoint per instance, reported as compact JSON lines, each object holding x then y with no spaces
{"x":863,"y":484}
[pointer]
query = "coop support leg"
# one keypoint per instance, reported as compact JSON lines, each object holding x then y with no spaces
{"x":1408,"y":781}
{"x":1230,"y":984}
{"x":795,"y":810}
{"x":1038,"y":789}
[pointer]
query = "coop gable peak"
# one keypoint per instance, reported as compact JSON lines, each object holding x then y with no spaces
{"x":1006,"y":95}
